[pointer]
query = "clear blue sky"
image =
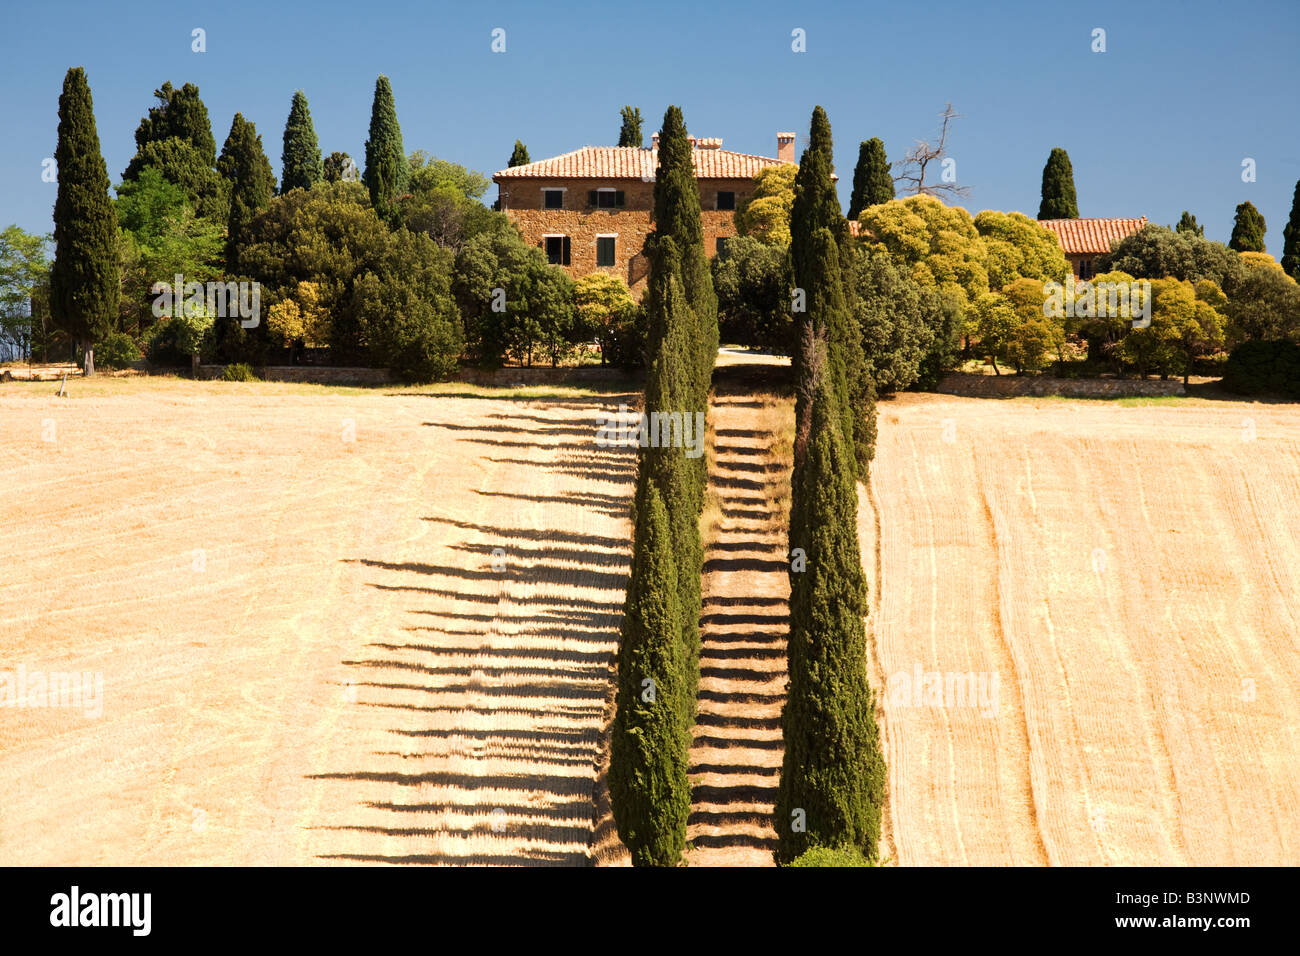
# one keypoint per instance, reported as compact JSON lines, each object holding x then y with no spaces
{"x":1158,"y":123}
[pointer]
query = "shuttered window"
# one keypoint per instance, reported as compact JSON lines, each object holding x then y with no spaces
{"x":604,"y":250}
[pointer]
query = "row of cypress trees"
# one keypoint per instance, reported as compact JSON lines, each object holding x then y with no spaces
{"x":85,"y":279}
{"x":833,"y":772}
{"x":659,"y":647}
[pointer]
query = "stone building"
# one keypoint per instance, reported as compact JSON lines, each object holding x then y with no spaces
{"x":1085,"y":239}
{"x":590,"y":210}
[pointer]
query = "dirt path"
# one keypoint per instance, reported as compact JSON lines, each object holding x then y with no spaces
{"x":1122,"y":584}
{"x":309,"y":650}
{"x":736,"y":755}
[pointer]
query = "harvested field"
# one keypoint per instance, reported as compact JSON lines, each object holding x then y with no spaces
{"x":311,"y":649}
{"x":1129,"y":573}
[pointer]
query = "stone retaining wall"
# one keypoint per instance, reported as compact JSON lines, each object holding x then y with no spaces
{"x":1006,"y":386}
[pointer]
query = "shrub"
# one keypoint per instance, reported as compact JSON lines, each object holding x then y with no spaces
{"x":1264,"y":367}
{"x":238,"y":372}
{"x":116,"y":350}
{"x":825,"y":856}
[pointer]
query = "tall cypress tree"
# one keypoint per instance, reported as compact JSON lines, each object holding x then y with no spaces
{"x":629,"y":133}
{"x":650,"y":791}
{"x":387,"y":171}
{"x":1291,"y":239}
{"x":252,"y":183}
{"x":816,"y":206}
{"x":180,"y":114}
{"x":85,"y":277}
{"x":300,"y":161}
{"x":872,"y":183}
{"x":1059,"y":200}
{"x":1248,"y":229}
{"x":832,"y":784}
{"x":520,"y":155}
{"x":1187,"y":225}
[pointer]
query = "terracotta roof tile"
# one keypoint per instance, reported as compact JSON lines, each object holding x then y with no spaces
{"x":1085,"y":236}
{"x":632,"y":162}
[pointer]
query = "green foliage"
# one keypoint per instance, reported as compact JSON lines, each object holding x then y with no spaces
{"x":1291,"y":238}
{"x":752,"y":282}
{"x":765,"y":213}
{"x":1058,"y":197}
{"x":1017,"y":247}
{"x":339,"y":167}
{"x":1156,"y":252}
{"x":387,"y":173}
{"x":116,"y":350}
{"x":832,"y":783}
{"x":252,"y":183}
{"x":328,"y":235}
{"x":629,"y":133}
{"x":519,"y":156}
{"x":405,"y":313}
{"x":1264,"y":367}
{"x":898,"y":317}
{"x":650,"y":742}
{"x":939,"y":245}
{"x":872,"y":182}
{"x":604,"y":309}
{"x":429,"y":173}
{"x":180,"y":114}
{"x":533,"y":314}
{"x":1187,"y":225}
{"x":238,"y":372}
{"x":1182,"y":327}
{"x":1263,"y":303}
{"x":84,"y":280}
{"x":173,"y":341}
{"x":821,"y":856}
{"x":1011,"y":326}
{"x":24,"y":268}
{"x":1248,"y":229}
{"x":300,"y":162}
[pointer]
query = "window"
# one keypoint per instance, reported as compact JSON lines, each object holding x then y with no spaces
{"x":605,"y":250}
{"x":605,"y":198}
{"x":552,"y":198}
{"x":557,"y":250}
{"x":720,"y":245}
{"x":1085,"y":268}
{"x":726,"y":200}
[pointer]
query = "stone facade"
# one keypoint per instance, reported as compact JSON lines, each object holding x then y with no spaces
{"x":523,"y":201}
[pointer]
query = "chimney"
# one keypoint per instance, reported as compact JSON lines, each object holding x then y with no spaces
{"x":785,"y":147}
{"x":654,"y":141}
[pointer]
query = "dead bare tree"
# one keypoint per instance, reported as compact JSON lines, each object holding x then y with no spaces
{"x":912,"y":167}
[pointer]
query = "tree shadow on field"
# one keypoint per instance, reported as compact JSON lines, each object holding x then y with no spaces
{"x":737,"y":747}
{"x":495,"y":662}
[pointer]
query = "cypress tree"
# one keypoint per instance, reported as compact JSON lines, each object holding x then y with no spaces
{"x":300,"y":162}
{"x":1248,"y":229}
{"x":872,"y":183}
{"x":1187,"y":225}
{"x":650,"y":791}
{"x":630,"y":132}
{"x":85,"y":277}
{"x":252,"y":183}
{"x":833,"y":772}
{"x":1291,"y":239}
{"x":179,"y":114}
{"x":387,"y":171}
{"x":1059,"y":199}
{"x":816,"y":206}
{"x":520,"y":155}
